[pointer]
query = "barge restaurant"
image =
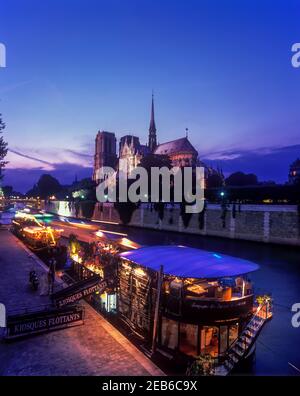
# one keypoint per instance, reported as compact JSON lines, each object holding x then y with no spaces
{"x":183,"y":302}
{"x":206,"y":302}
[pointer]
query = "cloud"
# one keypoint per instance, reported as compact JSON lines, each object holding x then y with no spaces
{"x":26,"y":166}
{"x":268,"y":163}
{"x":47,"y":159}
{"x":24,"y":179}
{"x":30,"y":157}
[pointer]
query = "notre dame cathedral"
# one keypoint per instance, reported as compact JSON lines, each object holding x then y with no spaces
{"x":180,"y":151}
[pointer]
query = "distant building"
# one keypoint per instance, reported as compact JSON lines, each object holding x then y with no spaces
{"x":294,"y":173}
{"x":105,"y":151}
{"x":180,"y":151}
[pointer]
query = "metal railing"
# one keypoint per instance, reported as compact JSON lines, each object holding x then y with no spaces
{"x":251,"y":327}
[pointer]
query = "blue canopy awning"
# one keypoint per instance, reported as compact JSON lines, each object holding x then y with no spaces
{"x":188,"y":262}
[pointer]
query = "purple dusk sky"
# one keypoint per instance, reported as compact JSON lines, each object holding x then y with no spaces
{"x":222,"y":69}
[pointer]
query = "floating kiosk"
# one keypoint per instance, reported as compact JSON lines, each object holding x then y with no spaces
{"x":178,"y":301}
{"x":190,"y":302}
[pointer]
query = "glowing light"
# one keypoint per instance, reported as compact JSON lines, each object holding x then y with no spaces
{"x":32,"y":230}
{"x":64,"y":209}
{"x":217,"y":256}
{"x":139,"y":272}
{"x":105,"y":222}
{"x":80,"y":225}
{"x":27,"y":216}
{"x":126,"y":266}
{"x":177,"y":280}
{"x":128,"y":243}
{"x":95,"y":269}
{"x":99,"y":234}
{"x":76,"y":258}
{"x":111,"y":232}
{"x":46,"y":214}
{"x":42,"y":233}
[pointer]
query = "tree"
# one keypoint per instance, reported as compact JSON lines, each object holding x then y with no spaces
{"x":241,"y":179}
{"x":3,"y":148}
{"x":125,"y":210}
{"x":214,"y":180}
{"x":45,"y":187}
{"x":201,"y":366}
{"x":8,"y":191}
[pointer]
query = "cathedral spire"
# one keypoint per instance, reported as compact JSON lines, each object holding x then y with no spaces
{"x":152,"y":129}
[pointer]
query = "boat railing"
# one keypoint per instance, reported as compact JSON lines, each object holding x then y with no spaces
{"x":243,"y":343}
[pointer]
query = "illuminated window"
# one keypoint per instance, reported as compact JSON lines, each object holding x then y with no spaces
{"x":188,"y":339}
{"x":209,"y":341}
{"x":223,"y":339}
{"x":233,"y":333}
{"x":169,"y":333}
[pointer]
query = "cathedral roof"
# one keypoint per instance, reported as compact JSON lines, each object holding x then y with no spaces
{"x":182,"y":145}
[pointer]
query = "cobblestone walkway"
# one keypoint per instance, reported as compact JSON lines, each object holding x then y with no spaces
{"x":96,"y":348}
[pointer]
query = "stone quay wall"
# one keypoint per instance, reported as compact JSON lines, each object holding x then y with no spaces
{"x":263,"y":223}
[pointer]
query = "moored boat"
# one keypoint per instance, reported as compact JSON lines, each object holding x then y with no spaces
{"x":35,"y":233}
{"x":182,"y":303}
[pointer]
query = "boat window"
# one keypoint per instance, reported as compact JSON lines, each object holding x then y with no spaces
{"x":169,"y":333}
{"x":233,"y":333}
{"x":209,"y":341}
{"x":188,"y":339}
{"x":223,"y":339}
